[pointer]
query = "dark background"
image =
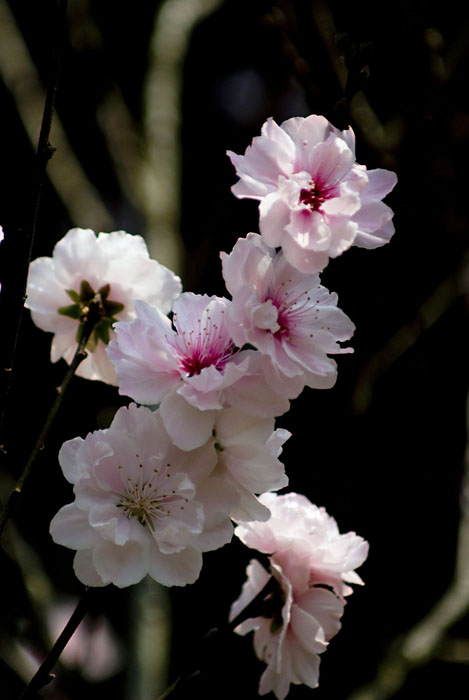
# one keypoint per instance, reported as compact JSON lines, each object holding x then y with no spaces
{"x":383,"y":451}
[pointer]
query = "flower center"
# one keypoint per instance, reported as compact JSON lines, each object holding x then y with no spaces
{"x":313,"y":196}
{"x":293,"y":309}
{"x":203,"y":346}
{"x":87,"y":302}
{"x":153,"y":500}
{"x":141,"y":502}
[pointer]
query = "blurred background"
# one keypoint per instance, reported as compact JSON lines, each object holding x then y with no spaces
{"x":151,"y":96}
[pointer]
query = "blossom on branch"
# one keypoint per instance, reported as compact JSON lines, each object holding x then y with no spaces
{"x":312,"y":563}
{"x":315,"y":200}
{"x":109,"y":271}
{"x":285,"y":314}
{"x":190,"y":369}
{"x":142,"y":506}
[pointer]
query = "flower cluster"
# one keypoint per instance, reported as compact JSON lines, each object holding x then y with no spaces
{"x":315,"y":200}
{"x":312,"y":565}
{"x":163,"y":483}
{"x":142,"y":506}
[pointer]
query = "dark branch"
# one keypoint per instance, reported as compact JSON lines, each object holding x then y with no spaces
{"x":43,"y":675}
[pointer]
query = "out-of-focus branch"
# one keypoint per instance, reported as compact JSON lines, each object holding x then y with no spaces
{"x":150,"y":634}
{"x":127,"y":150}
{"x":429,"y":312}
{"x":80,"y":354}
{"x":69,"y":180}
{"x":427,"y":639}
{"x":161,"y":184}
{"x":382,"y":138}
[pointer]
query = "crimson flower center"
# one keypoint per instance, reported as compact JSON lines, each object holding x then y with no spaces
{"x":207,"y":344}
{"x":313,"y":196}
{"x":294,"y":311}
{"x":194,"y":364}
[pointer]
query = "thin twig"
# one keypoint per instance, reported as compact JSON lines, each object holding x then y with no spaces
{"x":43,"y":675}
{"x":44,"y":153}
{"x":79,"y":356}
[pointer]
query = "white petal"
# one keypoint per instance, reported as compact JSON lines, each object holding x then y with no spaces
{"x":70,"y":528}
{"x":85,"y":570}
{"x":122,"y":566}
{"x":175,"y":569}
{"x":188,"y":427}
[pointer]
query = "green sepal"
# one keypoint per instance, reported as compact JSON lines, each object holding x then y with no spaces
{"x":104,"y":291}
{"x":112,"y":308}
{"x":86,"y":291}
{"x":72,"y":311}
{"x":101,"y":332}
{"x":74,"y":296}
{"x":275,"y":626}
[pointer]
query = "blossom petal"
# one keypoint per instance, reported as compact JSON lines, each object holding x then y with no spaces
{"x":188,"y":426}
{"x":70,"y":528}
{"x":85,"y":570}
{"x":123,"y":566}
{"x":175,"y":569}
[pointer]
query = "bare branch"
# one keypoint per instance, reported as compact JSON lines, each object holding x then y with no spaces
{"x":161,"y":183}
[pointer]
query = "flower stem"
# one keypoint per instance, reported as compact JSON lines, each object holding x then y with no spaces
{"x":43,"y":675}
{"x":80,"y":354}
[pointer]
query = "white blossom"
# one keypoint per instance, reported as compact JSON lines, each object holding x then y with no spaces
{"x":142,"y":506}
{"x":111,"y":270}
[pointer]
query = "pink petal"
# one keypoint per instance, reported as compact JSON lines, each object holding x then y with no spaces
{"x":274,"y":217}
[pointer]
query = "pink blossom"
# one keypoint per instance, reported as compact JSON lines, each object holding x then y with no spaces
{"x":315,"y":200}
{"x":296,"y":622}
{"x":300,"y":531}
{"x":190,"y":370}
{"x":113,"y":268}
{"x":295,"y":628}
{"x":284,"y":313}
{"x":142,"y":506}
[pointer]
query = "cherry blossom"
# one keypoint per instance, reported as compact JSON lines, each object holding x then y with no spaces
{"x":142,"y":506}
{"x":284,"y":313}
{"x":192,"y":370}
{"x":298,"y":530}
{"x":296,"y":622}
{"x":315,"y":200}
{"x":293,"y":630}
{"x":110,"y":270}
